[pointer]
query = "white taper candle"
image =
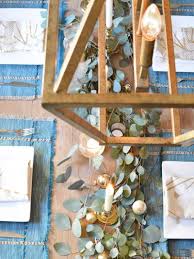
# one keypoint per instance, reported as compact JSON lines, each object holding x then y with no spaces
{"x":109,"y":13}
{"x":109,"y":198}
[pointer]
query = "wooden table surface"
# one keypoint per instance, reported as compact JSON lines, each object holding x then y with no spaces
{"x":66,"y":137}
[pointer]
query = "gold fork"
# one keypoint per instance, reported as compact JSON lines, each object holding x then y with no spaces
{"x":19,"y":132}
{"x":10,"y":235}
{"x":179,"y":79}
{"x":17,"y":84}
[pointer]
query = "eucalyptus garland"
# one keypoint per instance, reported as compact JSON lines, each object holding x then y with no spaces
{"x":131,"y":236}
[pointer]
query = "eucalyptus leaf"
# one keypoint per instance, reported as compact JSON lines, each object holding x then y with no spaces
{"x":72,"y":205}
{"x":77,"y":185}
{"x":126,"y":191}
{"x":126,"y":149}
{"x":140,"y":121}
{"x":120,"y":75}
{"x":127,"y":49}
{"x":89,"y":244}
{"x":89,"y":228}
{"x":118,"y":193}
{"x":64,"y":177}
{"x":132,"y":253}
{"x":98,"y":232}
{"x":109,"y":243}
{"x":69,"y":19}
{"x":129,"y":158}
{"x":134,"y":132}
{"x":81,"y":213}
{"x":124,"y":250}
{"x":97,"y":205}
{"x":76,"y":228}
{"x":116,"y":86}
{"x":62,"y":249}
{"x":115,"y":152}
{"x":151,"y":129}
{"x":97,"y":162}
{"x":62,"y":221}
{"x":121,"y":239}
{"x":140,"y":170}
{"x":69,"y":155}
{"x":151,"y":234}
{"x":124,"y":63}
{"x":117,"y":21}
{"x":120,"y":178}
{"x":114,"y":252}
{"x":143,"y":153}
{"x":99,"y":248}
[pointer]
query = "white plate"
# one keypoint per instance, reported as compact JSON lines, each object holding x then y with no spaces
{"x":19,"y":15}
{"x":177,"y":228}
{"x":17,"y":211}
{"x":182,"y":65}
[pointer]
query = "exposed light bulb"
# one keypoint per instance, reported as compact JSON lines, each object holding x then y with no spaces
{"x":151,"y":23}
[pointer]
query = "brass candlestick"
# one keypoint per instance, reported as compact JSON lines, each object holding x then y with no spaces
{"x":146,"y":55}
{"x":108,"y":218}
{"x":103,"y":180}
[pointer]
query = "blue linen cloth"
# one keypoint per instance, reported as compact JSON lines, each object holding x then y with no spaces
{"x":31,"y":73}
{"x":34,"y":245}
{"x":159,"y":83}
{"x":154,"y":196}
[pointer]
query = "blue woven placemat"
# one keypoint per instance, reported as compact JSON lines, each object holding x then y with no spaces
{"x":153,"y":191}
{"x":36,"y":231}
{"x":22,"y":73}
{"x":154,"y":196}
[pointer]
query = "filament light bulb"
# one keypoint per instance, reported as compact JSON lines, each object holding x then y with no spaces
{"x":151,"y":23}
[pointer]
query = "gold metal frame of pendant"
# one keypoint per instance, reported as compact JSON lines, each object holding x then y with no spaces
{"x":56,"y":99}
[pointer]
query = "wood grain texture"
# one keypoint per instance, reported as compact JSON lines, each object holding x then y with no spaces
{"x":141,"y":100}
{"x":51,"y":47}
{"x":102,"y":64}
{"x":79,"y":123}
{"x":172,"y":79}
{"x":140,"y":140}
{"x":144,"y":5}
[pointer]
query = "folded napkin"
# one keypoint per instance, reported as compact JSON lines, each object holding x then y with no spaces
{"x":179,"y":197}
{"x":14,"y":180}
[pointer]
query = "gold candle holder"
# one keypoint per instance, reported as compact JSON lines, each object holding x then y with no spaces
{"x":146,"y":56}
{"x":108,"y":218}
{"x":103,"y":180}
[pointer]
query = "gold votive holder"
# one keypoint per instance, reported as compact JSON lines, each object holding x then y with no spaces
{"x":108,"y":218}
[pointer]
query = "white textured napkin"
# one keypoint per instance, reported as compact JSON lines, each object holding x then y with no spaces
{"x":180,"y":197}
{"x":14,"y":180}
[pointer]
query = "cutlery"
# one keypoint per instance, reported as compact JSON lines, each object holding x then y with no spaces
{"x":17,"y":84}
{"x":11,"y":234}
{"x":186,"y":253}
{"x":19,"y":132}
{"x":179,"y":80}
{"x":175,"y":6}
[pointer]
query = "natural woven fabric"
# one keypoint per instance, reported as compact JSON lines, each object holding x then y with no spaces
{"x":29,"y":74}
{"x":153,"y":190}
{"x":159,"y":80}
{"x":36,"y":231}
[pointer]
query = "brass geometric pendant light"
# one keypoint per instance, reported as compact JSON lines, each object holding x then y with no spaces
{"x":58,"y":101}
